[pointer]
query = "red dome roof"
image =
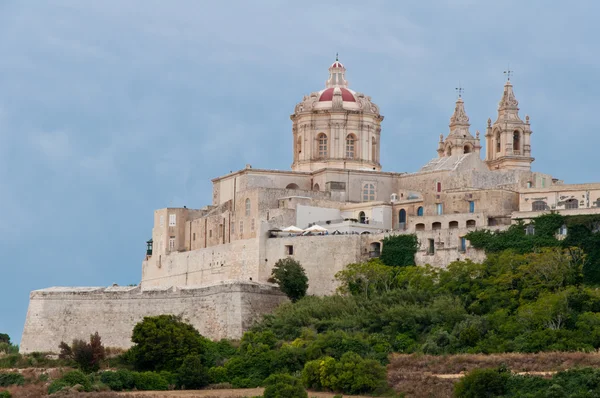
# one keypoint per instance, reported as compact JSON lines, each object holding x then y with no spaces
{"x":327,"y":95}
{"x":337,"y":64}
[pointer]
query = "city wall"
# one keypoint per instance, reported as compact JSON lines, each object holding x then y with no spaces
{"x":218,"y":311}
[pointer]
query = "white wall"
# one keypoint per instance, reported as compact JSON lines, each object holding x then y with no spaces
{"x":310,"y":214}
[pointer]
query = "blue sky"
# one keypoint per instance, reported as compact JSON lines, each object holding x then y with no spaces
{"x":111,"y":109}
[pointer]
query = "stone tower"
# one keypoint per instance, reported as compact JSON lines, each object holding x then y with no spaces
{"x":336,"y":127}
{"x":459,"y":140}
{"x":508,"y":140}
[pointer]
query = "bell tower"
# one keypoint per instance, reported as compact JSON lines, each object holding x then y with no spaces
{"x":508,"y":139}
{"x":459,"y":140}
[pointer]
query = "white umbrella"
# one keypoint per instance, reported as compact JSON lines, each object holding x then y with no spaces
{"x":292,"y":229}
{"x":315,"y":228}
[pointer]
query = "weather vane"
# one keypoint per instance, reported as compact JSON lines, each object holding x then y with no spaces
{"x":508,"y":72}
{"x":459,"y":90}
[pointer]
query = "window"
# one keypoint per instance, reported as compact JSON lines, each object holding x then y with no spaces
{"x":210,"y":233}
{"x":420,"y":211}
{"x":439,"y":209}
{"x":516,"y":142}
{"x":463,"y":244}
{"x":220,"y":230}
{"x":322,"y":142}
{"x":431,"y":248}
{"x":172,"y":243}
{"x":247,"y":207}
{"x":350,"y":143}
{"x":436,"y":225}
{"x":241,"y":227}
{"x":530,"y":229}
{"x":420,"y":227}
{"x":453,"y":224}
{"x":162,"y":220}
{"x":172,"y":220}
{"x":252,"y":225}
{"x":539,"y":205}
{"x":289,"y":250}
{"x":471,"y":207}
{"x":528,"y":184}
{"x":471,"y":223}
{"x":572,"y":204}
{"x":375,"y":250}
{"x":498,"y":146}
{"x":438,"y":187}
{"x":402,"y":216}
{"x":362,"y":218}
{"x":368,"y":192}
{"x":543,"y":183}
{"x":374,"y":150}
{"x":194,"y":236}
{"x":562,"y":230}
{"x":467,"y":149}
{"x":292,"y":186}
{"x":299,"y":144}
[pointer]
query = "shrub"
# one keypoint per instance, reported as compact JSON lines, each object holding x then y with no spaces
{"x":483,"y":383}
{"x":87,"y":355}
{"x":163,"y":342}
{"x":291,"y":278}
{"x":150,"y":381}
{"x":4,"y":338}
{"x":399,"y":250}
{"x":217,"y":374}
{"x":283,"y":386}
{"x":70,"y":379}
{"x":5,"y":394}
{"x":10,"y":379}
{"x":192,"y":375}
{"x":351,"y":374}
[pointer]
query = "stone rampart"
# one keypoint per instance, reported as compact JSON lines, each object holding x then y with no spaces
{"x":219,"y":311}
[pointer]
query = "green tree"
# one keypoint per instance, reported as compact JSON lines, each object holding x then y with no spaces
{"x":367,"y":278}
{"x":192,"y":374}
{"x":482,"y":383}
{"x":163,"y":343}
{"x":283,"y":386}
{"x":291,"y":278}
{"x":4,"y":338}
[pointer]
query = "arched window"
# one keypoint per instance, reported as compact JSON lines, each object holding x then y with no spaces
{"x":449,"y":151}
{"x":292,"y":186}
{"x":361,"y":217}
{"x":248,"y":206}
{"x":539,"y":205}
{"x":402,"y":216}
{"x":375,"y":249}
{"x":453,"y":224}
{"x":350,"y":146}
{"x":322,"y":142}
{"x":368,"y":192}
{"x":420,"y":211}
{"x":316,"y":187}
{"x":438,"y":187}
{"x":572,"y":204}
{"x":299,"y":145}
{"x":467,"y":149}
{"x":420,"y":227}
{"x":516,"y":141}
{"x":498,"y":146}
{"x":530,"y":229}
{"x":436,"y":225}
{"x":471,"y":223}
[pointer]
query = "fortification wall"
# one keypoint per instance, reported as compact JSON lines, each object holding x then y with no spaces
{"x":64,"y":314}
{"x":235,"y":261}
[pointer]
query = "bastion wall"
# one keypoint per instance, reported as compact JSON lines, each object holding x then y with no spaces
{"x":218,"y":311}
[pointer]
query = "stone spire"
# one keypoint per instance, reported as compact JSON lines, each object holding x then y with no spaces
{"x":508,"y":107}
{"x":459,"y":140}
{"x":337,"y":75}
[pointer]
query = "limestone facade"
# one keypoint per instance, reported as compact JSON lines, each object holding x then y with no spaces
{"x":212,"y":264}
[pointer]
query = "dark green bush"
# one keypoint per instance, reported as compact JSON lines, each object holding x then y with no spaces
{"x":483,"y":383}
{"x":291,"y":278}
{"x":10,"y":379}
{"x":150,"y":381}
{"x":192,"y":375}
{"x":283,"y":386}
{"x":70,"y":379}
{"x":112,"y":380}
{"x":217,"y":374}
{"x":5,"y":394}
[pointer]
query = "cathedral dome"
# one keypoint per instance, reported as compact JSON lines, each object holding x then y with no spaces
{"x":327,"y":94}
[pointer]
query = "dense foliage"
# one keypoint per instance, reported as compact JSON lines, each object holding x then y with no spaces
{"x":582,"y":231}
{"x":87,"y":356}
{"x":575,"y":383}
{"x":283,"y":386}
{"x":399,"y":250}
{"x":291,"y":278}
{"x":11,"y":379}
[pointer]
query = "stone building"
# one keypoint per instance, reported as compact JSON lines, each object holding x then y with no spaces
{"x":211,"y":265}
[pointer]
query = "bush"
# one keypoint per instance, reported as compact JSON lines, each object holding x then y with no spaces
{"x":70,"y":379}
{"x":87,"y":356}
{"x":5,"y":394}
{"x":483,"y":383}
{"x":291,"y":278}
{"x":117,"y":381}
{"x":217,"y":375}
{"x":150,"y":381}
{"x":283,"y":386}
{"x":10,"y":379}
{"x":351,"y":374}
{"x":163,"y":342}
{"x":192,"y":375}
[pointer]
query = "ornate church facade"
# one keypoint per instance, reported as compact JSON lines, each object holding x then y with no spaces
{"x":212,"y":264}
